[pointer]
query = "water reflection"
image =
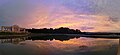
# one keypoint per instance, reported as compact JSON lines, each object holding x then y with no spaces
{"x":80,"y":46}
{"x":13,"y":40}
{"x":52,"y":37}
{"x":58,"y":45}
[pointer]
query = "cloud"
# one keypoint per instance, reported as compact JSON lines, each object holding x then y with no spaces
{"x":86,"y":28}
{"x":114,"y":19}
{"x":87,"y":15}
{"x":80,"y":6}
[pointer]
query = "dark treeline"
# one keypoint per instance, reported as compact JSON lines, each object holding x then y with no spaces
{"x":65,"y":30}
{"x":62,"y":30}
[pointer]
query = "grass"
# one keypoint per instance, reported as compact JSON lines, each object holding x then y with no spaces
{"x":10,"y":33}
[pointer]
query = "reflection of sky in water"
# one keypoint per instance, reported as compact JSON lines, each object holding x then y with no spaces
{"x":80,"y":46}
{"x":74,"y":44}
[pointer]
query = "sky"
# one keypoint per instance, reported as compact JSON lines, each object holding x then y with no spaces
{"x":86,"y":15}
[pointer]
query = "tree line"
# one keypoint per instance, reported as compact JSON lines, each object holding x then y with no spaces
{"x":61,"y":30}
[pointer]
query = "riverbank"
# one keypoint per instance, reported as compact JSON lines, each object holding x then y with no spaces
{"x":12,"y":35}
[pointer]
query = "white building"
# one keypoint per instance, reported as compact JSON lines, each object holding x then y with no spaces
{"x":14,"y":28}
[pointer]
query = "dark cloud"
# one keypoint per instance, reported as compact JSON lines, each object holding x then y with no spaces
{"x":86,"y":28}
{"x":114,"y":19}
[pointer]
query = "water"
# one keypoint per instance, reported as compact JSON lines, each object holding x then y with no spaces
{"x":70,"y":46}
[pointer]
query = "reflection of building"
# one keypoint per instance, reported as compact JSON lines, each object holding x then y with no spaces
{"x":13,"y":40}
{"x":14,"y":28}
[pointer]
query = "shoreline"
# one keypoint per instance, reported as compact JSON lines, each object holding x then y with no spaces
{"x":77,"y":35}
{"x":12,"y":36}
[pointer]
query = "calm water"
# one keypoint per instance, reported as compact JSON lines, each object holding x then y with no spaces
{"x":73,"y":46}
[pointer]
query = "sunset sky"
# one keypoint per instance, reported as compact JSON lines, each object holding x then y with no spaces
{"x":86,"y":15}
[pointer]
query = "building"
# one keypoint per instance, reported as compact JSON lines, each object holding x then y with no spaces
{"x":14,"y":28}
